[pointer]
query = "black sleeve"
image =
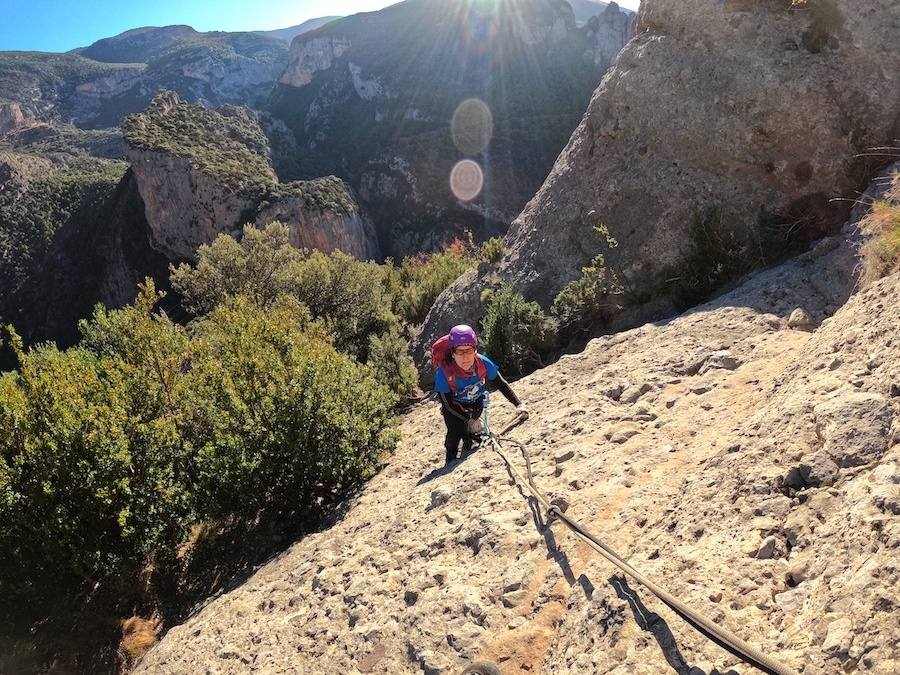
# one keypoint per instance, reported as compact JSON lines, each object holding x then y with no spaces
{"x":504,"y":388}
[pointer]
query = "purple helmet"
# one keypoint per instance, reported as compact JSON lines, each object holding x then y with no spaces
{"x":462,"y":335}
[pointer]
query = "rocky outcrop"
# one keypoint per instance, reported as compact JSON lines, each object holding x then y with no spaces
{"x":748,"y":468}
{"x":203,"y":173}
{"x":13,"y":117}
{"x":309,"y":56}
{"x":607,"y":31}
{"x":187,"y":208}
{"x":184,"y":205}
{"x":327,"y":231}
{"x":761,"y":109}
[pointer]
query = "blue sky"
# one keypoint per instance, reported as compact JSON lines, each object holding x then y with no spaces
{"x":61,"y":25}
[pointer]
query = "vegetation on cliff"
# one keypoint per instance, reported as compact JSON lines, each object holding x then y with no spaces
{"x":881,"y":251}
{"x":227,"y":145}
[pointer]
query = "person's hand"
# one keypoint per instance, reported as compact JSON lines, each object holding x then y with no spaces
{"x":522,"y":411}
{"x":475,"y":426}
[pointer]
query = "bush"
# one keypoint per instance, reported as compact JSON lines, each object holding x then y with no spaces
{"x":587,"y":302}
{"x":881,"y":226}
{"x":262,"y":266}
{"x":513,"y":330}
{"x":492,"y":250}
{"x":96,"y":466}
{"x":716,"y":257}
{"x":390,"y":360}
{"x":424,"y":277}
{"x":279,"y":418}
{"x":348,"y":296}
{"x":109,"y":451}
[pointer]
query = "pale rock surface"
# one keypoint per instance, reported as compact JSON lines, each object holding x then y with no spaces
{"x":184,"y":206}
{"x":326,"y":231}
{"x":187,"y":208}
{"x":308,"y":56}
{"x":750,"y":469}
{"x":13,"y":117}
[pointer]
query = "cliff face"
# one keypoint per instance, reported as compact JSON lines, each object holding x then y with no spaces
{"x":762,"y":110}
{"x":184,"y":206}
{"x":385,"y":100}
{"x":353,"y":232}
{"x":213,"y":177}
{"x":743,"y":456}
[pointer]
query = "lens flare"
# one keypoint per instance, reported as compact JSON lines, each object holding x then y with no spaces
{"x":472,"y":126}
{"x":466,"y":180}
{"x":479,"y":24}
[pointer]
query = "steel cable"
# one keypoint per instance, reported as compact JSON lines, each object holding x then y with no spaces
{"x":721,"y":636}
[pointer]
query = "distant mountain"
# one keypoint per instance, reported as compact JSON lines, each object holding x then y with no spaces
{"x":288,"y":34}
{"x":390,"y":101}
{"x":94,"y":87}
{"x":585,"y":9}
{"x":369,"y":99}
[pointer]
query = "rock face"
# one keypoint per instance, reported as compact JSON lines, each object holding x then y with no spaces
{"x":199,"y":184}
{"x":763,"y":110}
{"x":12,"y":117}
{"x":749,"y":468}
{"x":353,"y":233}
{"x":186,"y":208}
{"x":310,"y":56}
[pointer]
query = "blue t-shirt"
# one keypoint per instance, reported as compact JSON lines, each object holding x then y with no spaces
{"x":469,"y":389}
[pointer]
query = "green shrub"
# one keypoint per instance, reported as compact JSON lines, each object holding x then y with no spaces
{"x":715,"y":258}
{"x":353,"y":299}
{"x":587,"y":302}
{"x":424,"y":277}
{"x":513,"y":330}
{"x":492,"y":249}
{"x":262,"y":266}
{"x":279,"y":418}
{"x":110,"y":450}
{"x":347,"y":296}
{"x":390,"y":360}
{"x":96,"y":466}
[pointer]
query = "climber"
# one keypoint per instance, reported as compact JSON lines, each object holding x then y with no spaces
{"x":460,"y":385}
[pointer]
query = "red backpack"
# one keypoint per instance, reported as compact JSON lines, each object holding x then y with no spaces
{"x":442,"y":357}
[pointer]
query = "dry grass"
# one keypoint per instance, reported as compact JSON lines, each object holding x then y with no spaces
{"x":138,"y":636}
{"x":881,"y":228}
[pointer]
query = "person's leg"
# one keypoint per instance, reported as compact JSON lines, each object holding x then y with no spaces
{"x":456,"y":430}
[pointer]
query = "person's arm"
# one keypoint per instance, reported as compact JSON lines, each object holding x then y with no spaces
{"x":504,"y":388}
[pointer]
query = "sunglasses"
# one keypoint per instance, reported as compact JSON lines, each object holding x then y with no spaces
{"x":464,"y":351}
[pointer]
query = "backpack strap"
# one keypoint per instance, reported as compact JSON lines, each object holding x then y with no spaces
{"x":452,"y":371}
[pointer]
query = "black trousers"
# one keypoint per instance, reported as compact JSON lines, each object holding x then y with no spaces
{"x":456,"y":428}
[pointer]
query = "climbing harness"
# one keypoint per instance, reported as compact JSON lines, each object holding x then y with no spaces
{"x":711,"y":630}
